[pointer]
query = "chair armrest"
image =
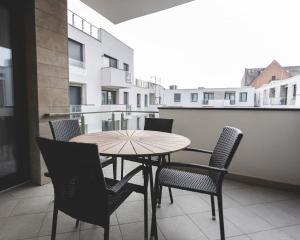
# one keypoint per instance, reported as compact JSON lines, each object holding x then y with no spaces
{"x":118,"y":186}
{"x":197,"y":150}
{"x":190,"y":165}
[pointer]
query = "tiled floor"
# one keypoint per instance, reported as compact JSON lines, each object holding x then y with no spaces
{"x":251,"y":212}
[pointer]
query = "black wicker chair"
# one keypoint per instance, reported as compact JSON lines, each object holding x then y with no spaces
{"x":64,"y":130}
{"x":202,"y":178}
{"x":160,"y":125}
{"x":80,"y":189}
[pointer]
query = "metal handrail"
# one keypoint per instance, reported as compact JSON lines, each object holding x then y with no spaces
{"x":94,"y":112}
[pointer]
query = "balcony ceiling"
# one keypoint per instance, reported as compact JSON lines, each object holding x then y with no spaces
{"x":118,"y":11}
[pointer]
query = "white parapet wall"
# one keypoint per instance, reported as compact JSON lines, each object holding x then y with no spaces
{"x":270,"y":147}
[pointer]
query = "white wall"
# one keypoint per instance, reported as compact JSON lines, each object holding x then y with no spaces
{"x":270,"y":147}
{"x":217,"y":102}
{"x":94,"y":51}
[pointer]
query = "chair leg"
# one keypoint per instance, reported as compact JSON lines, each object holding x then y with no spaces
{"x":122,"y":168}
{"x":171,"y":196}
{"x":77,"y":223}
{"x":106,"y":232}
{"x":54,"y":223}
{"x":213,"y":211}
{"x":159,"y":196}
{"x":221,"y":219}
{"x":145,"y":205}
{"x":115,"y":168}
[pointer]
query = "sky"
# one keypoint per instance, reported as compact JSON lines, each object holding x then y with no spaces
{"x":207,"y":43}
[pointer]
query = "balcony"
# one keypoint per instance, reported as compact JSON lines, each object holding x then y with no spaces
{"x":115,"y":78}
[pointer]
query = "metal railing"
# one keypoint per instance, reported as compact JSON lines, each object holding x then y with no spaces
{"x":83,"y":25}
{"x":106,"y":120}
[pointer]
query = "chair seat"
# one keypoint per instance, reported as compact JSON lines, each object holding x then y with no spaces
{"x":187,"y":181}
{"x":115,"y":200}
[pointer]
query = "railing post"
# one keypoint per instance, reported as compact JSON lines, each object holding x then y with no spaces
{"x":122,"y":121}
{"x":113,"y":121}
{"x":82,"y":124}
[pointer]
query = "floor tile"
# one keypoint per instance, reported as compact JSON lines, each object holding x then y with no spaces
{"x":21,"y":227}
{"x":212,"y":228}
{"x":192,"y":204}
{"x":242,"y":237}
{"x":30,"y":190}
{"x":231,"y":184}
{"x":98,"y":234}
{"x":65,"y":224}
{"x":178,"y":228}
{"x":292,"y":231}
{"x":246,"y":221}
{"x":255,"y":195}
{"x":130,"y":212}
{"x":7,"y":206}
{"x":61,"y":236}
{"x":270,"y":235}
{"x":135,"y":231}
{"x":274,"y":215}
{"x":168,"y":210}
{"x":113,"y":221}
{"x":32,"y":205}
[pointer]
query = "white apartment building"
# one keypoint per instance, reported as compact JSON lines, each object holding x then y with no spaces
{"x":279,"y":93}
{"x":210,"y":97}
{"x":101,"y":76}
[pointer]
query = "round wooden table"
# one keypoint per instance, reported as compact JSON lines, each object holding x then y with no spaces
{"x":140,"y":143}
{"x":137,"y":143}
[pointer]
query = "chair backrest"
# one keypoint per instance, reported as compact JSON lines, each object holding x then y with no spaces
{"x":77,"y":177}
{"x":159,"y":124}
{"x":64,"y":130}
{"x":225,"y":148}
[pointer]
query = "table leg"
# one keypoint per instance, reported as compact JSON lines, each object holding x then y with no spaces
{"x":153,"y":234}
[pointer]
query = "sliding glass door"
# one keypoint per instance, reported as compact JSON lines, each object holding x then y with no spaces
{"x":12,"y":159}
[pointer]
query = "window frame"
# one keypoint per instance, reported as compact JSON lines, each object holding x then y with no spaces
{"x":110,"y":61}
{"x":175,"y":99}
{"x":240,"y":97}
{"x":194,"y":94}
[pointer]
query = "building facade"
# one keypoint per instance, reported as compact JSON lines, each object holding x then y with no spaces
{"x":282,"y":93}
{"x":210,"y":97}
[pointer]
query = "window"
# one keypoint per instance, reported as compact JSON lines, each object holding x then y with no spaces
{"x":194,"y":97}
{"x":294,"y":90}
{"x":230,"y":96}
{"x":146,"y":100}
{"x":76,"y":53}
{"x":109,"y":97}
{"x":126,"y":98}
{"x":75,"y":95}
{"x":138,"y":123}
{"x":177,"y":97}
{"x":138,"y":100}
{"x":152,"y":98}
{"x":126,"y":67}
{"x":207,"y":96}
{"x":108,"y":125}
{"x":110,"y":61}
{"x":273,"y":78}
{"x":272,"y":93}
{"x":243,"y":97}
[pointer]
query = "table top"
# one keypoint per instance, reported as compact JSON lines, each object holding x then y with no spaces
{"x":135,"y":142}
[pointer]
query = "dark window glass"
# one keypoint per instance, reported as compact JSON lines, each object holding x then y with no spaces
{"x":146,"y":100}
{"x":138,"y":100}
{"x":230,"y":96}
{"x":126,"y":67}
{"x":207,"y":96}
{"x":177,"y":97}
{"x":243,"y":97}
{"x":75,"y":95}
{"x":76,"y":50}
{"x":109,"y":97}
{"x":194,"y":97}
{"x":109,"y":61}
